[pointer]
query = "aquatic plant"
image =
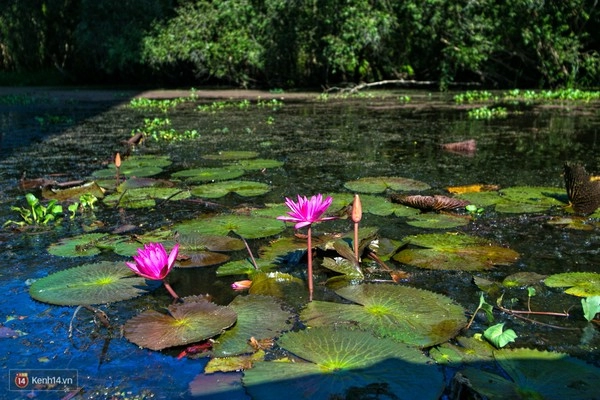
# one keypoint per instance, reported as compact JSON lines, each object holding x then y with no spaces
{"x":36,"y":213}
{"x":304,"y":213}
{"x":153,"y":263}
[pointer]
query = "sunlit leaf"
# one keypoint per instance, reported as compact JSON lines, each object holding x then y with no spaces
{"x":454,"y":252}
{"x":231,"y":155}
{"x":379,"y":184}
{"x":232,"y":364}
{"x":194,"y":320}
{"x":244,"y":225}
{"x":522,"y":279}
{"x":276,"y":284}
{"x":87,"y":244}
{"x":220,"y":189}
{"x":475,"y":188}
{"x":582,"y":284}
{"x":499,"y":337}
{"x":208,"y":174}
{"x":405,"y":314}
{"x":257,"y":164}
{"x":437,"y":221}
{"x":73,"y":193}
{"x":145,"y":197}
{"x":104,"y":282}
{"x":340,"y":363}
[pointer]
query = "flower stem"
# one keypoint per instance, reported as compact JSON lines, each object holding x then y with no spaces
{"x":310,"y":268}
{"x":170,"y":290}
{"x":356,"y":242}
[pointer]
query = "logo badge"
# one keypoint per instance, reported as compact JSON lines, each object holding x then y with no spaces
{"x":22,"y":380}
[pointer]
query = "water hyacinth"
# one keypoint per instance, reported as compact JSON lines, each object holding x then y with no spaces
{"x":152,"y":262}
{"x":306,"y":212}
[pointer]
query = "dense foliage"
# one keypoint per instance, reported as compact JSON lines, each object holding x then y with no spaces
{"x":283,"y":43}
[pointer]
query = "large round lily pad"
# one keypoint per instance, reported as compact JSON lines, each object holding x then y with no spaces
{"x":405,"y":314}
{"x":220,"y":189}
{"x":104,"y":282}
{"x":208,"y":174}
{"x":145,"y":197}
{"x":344,"y":364}
{"x":259,"y":317}
{"x":536,"y":375}
{"x":194,"y":320}
{"x":582,"y":284}
{"x":379,"y":184}
{"x":87,"y":244}
{"x":231,"y":155}
{"x":246,"y":226}
{"x":454,"y":252}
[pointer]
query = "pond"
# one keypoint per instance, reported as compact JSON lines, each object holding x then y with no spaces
{"x":382,"y":145}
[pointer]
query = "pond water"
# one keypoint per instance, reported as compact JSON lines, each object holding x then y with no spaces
{"x":323,"y":143}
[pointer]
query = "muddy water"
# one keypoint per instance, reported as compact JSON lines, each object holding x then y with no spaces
{"x":323,"y":144}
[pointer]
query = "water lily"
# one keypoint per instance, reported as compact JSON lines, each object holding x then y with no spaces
{"x":152,"y":262}
{"x":306,"y":212}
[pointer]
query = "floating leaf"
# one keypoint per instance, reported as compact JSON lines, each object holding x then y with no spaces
{"x":245,"y":267}
{"x":536,"y":375}
{"x":475,"y":188}
{"x":135,"y":183}
{"x":232,"y":364}
{"x":430,"y":203}
{"x":406,"y":314}
{"x":582,"y":284}
{"x":85,"y":245}
{"x":194,"y":320}
{"x":525,"y":199}
{"x":257,"y":164}
{"x":522,"y":279}
{"x":591,"y":307}
{"x":208,"y":174}
{"x":344,"y":364}
{"x":246,"y":226}
{"x":260,"y":317}
{"x":145,"y":197}
{"x":104,"y":282}
{"x":138,"y":166}
{"x":218,"y":386}
{"x":276,"y":284}
{"x":231,"y":155}
{"x":437,"y":221}
{"x":379,"y":184}
{"x":220,"y":189}
{"x":454,"y":252}
{"x":499,"y":337}
{"x":73,"y":193}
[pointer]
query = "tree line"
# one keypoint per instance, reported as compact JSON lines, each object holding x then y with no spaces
{"x":302,"y":43}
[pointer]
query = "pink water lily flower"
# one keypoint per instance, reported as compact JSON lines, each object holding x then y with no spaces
{"x":152,"y":261}
{"x":306,"y":212}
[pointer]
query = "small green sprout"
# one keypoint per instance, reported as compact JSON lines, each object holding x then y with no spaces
{"x":36,"y":213}
{"x":499,"y":337}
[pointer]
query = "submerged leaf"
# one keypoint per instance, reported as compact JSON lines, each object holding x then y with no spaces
{"x":405,"y":314}
{"x":100,"y":283}
{"x":194,"y":320}
{"x":344,"y":364}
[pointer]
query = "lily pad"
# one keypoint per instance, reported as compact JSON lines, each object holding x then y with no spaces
{"x":536,"y":375}
{"x":340,"y":363}
{"x":276,"y":284}
{"x":405,"y":314}
{"x":220,"y":189}
{"x":194,"y":320}
{"x":244,"y":225}
{"x":100,"y":283}
{"x":73,"y":193}
{"x":145,"y":197}
{"x":454,"y":252}
{"x":529,"y":199}
{"x":208,"y":174}
{"x":438,"y":221}
{"x":582,"y":284}
{"x":259,"y":317}
{"x":257,"y":164}
{"x":231,"y":155}
{"x":138,"y":166}
{"x":379,"y":184}
{"x":245,"y":267}
{"x":85,"y":245}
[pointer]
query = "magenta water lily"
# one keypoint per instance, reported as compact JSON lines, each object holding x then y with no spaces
{"x":152,"y":262}
{"x":306,"y":212}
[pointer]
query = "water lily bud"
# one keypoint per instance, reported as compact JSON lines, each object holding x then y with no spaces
{"x":356,"y":215}
{"x":118,"y":160}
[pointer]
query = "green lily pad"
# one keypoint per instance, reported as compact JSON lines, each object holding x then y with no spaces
{"x":244,"y":225}
{"x":276,"y":284}
{"x":194,"y":320}
{"x":231,"y":155}
{"x":260,"y":317}
{"x":145,"y":197}
{"x":379,"y":184}
{"x":84,"y":245}
{"x":528,"y":199}
{"x":468,"y":351}
{"x":220,"y":189}
{"x":208,"y":174}
{"x":522,"y":279}
{"x":437,"y":221}
{"x":536,"y":375}
{"x":245,"y":267}
{"x":138,"y":166}
{"x":454,"y":252}
{"x":582,"y":284}
{"x":136,"y":183}
{"x":340,"y":363}
{"x":405,"y":314}
{"x":198,"y":250}
{"x":100,"y":283}
{"x":481,"y":199}
{"x":257,"y":164}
